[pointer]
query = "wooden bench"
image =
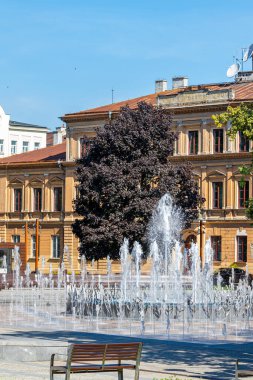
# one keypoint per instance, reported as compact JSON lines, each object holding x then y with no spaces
{"x":242,"y":373}
{"x":88,"y":358}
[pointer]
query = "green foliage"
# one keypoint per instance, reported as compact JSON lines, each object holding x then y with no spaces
{"x":234,"y":265}
{"x":249,"y":209}
{"x":245,"y":170}
{"x":240,"y":119}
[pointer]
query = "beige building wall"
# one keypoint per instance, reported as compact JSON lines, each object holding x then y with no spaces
{"x":229,"y":222}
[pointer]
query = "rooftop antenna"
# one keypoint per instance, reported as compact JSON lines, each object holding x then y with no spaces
{"x":112,"y":96}
{"x":248,"y":54}
{"x":243,"y":55}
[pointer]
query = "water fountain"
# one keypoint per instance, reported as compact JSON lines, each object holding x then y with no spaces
{"x":177,"y":299}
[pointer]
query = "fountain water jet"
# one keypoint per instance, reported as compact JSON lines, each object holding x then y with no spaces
{"x":177,"y":298}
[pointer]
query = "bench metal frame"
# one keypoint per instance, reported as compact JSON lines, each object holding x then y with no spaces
{"x":244,"y":373}
{"x":81,"y":356}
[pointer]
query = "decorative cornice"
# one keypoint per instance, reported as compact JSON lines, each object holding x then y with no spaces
{"x":175,"y":110}
{"x":204,"y":122}
{"x":31,"y":165}
{"x":212,"y":157}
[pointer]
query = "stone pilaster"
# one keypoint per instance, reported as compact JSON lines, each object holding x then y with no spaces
{"x":68,"y":240}
{"x":2,"y":232}
{"x":229,"y":189}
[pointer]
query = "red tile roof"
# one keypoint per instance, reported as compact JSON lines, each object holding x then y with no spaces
{"x":243,"y":91}
{"x":50,"y":153}
{"x":132,"y":103}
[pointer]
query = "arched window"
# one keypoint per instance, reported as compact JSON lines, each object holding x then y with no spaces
{"x":190,"y":239}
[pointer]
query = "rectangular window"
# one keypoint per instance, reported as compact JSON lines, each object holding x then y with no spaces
{"x":13,"y":147}
{"x":242,"y":248}
{"x":85,"y":145}
{"x":37,"y":199}
{"x":17,"y":200}
{"x":25,"y":146}
{"x":36,"y":145}
{"x":16,"y":239}
{"x":193,"y":142}
{"x":243,"y":143}
{"x":1,"y":146}
{"x":56,"y":246}
{"x":33,"y":246}
{"x":58,"y":199}
{"x":243,"y":194}
{"x":77,"y":191}
{"x":217,"y":194}
{"x":218,"y":140}
{"x":216,"y":246}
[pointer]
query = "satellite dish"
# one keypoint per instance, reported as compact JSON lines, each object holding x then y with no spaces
{"x":233,"y":70}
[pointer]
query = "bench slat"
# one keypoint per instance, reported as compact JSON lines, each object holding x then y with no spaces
{"x":91,"y":352}
{"x":81,"y":356}
{"x":92,"y":368}
{"x":122,"y":351}
{"x":245,"y":372}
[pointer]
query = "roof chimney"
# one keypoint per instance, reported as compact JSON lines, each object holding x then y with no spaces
{"x":160,"y":85}
{"x":179,"y":82}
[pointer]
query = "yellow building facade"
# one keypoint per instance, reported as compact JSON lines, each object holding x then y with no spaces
{"x":43,"y":188}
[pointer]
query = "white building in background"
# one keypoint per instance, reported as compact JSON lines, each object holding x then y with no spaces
{"x":57,"y":136}
{"x":16,"y":137}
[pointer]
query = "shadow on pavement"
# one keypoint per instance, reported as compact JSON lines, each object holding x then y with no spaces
{"x":186,"y":357}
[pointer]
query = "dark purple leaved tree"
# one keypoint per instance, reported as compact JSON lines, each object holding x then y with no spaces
{"x":127,"y":170}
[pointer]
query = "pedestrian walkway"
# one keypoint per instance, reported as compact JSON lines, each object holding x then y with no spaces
{"x":40,"y":370}
{"x":24,"y":354}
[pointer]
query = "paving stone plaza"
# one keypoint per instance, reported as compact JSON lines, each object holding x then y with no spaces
{"x":25,"y":355}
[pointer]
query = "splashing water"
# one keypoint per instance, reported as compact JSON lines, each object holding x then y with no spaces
{"x":176,"y":298}
{"x":164,"y":229}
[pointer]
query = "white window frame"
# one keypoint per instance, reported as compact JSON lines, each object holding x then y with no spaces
{"x":1,"y":146}
{"x":38,"y":147}
{"x":15,"y":239}
{"x":14,"y":146}
{"x":25,"y":146}
{"x":33,"y":246}
{"x":56,"y":246}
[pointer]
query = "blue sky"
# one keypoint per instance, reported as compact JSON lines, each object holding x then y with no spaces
{"x":60,"y":56}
